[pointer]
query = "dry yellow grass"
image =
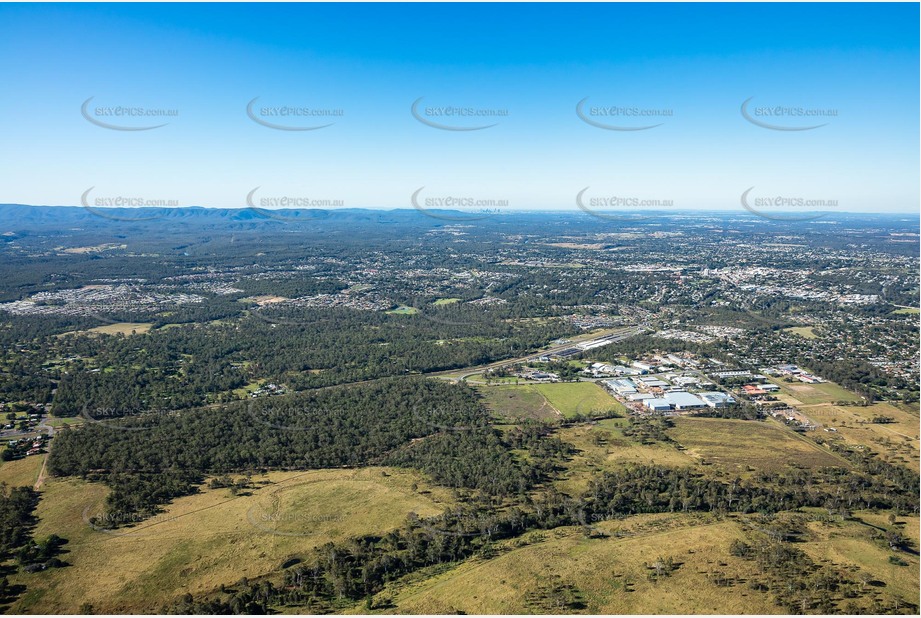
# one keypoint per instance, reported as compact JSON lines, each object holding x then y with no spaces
{"x":204,"y":540}
{"x":608,"y":572}
{"x":117,"y":328}
{"x":21,"y":471}
{"x":123,"y":328}
{"x":803,"y":331}
{"x":851,"y":543}
{"x":897,"y":442}
{"x":737,"y":446}
{"x":798,"y":393}
{"x":603,"y":446}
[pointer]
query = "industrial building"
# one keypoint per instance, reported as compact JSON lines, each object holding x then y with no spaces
{"x":681,"y":400}
{"x":621,"y":387}
{"x":716,"y":399}
{"x":640,"y":397}
{"x":657,"y":405}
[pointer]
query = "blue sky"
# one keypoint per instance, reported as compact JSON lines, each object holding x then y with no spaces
{"x":535,"y":62}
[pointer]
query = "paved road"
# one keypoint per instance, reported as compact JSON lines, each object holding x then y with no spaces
{"x":620,"y":334}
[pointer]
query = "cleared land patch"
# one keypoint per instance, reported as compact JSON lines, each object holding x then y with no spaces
{"x":118,"y":328}
{"x":572,"y":398}
{"x":604,"y":446}
{"x":608,"y":573}
{"x":210,"y":538}
{"x":896,"y":440}
{"x":739,"y":446}
{"x":825,"y":392}
{"x":518,"y":403}
{"x":803,"y":331}
{"x":21,"y":472}
{"x":263,"y":300}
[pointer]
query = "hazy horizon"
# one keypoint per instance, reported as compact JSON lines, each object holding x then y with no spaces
{"x":486,"y":102}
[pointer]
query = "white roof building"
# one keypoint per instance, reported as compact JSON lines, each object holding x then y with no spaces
{"x":683,"y":401}
{"x":716,"y":399}
{"x":657,"y":405}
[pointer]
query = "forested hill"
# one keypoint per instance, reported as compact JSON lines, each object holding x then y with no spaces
{"x":20,"y":217}
{"x":149,"y":459}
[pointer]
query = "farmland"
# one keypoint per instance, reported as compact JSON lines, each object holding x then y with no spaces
{"x":548,"y":401}
{"x":883,"y":427}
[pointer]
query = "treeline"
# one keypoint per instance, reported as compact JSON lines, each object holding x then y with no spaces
{"x":482,"y":459}
{"x":855,"y":375}
{"x":17,"y":521}
{"x":475,"y":459}
{"x":340,"y":573}
{"x":796,"y":582}
{"x":428,"y":424}
{"x":193,"y":365}
{"x":16,"y":518}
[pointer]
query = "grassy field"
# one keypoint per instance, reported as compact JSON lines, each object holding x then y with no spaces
{"x":802,"y":393}
{"x":517,"y":403}
{"x":852,"y":543}
{"x":204,"y":540}
{"x":907,"y":311}
{"x":896,"y":442}
{"x":69,"y":421}
{"x":548,"y":401}
{"x":608,"y":573}
{"x":744,"y":446}
{"x":803,"y":331}
{"x":248,"y":389}
{"x":404,"y":310}
{"x":21,"y":471}
{"x":603,"y":446}
{"x":123,"y":328}
{"x":118,"y":328}
{"x":572,"y":398}
{"x":446,"y":301}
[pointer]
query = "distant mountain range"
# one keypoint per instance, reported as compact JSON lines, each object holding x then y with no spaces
{"x":25,"y":218}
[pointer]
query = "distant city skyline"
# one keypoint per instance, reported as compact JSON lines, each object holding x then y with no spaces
{"x":666,"y":107}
